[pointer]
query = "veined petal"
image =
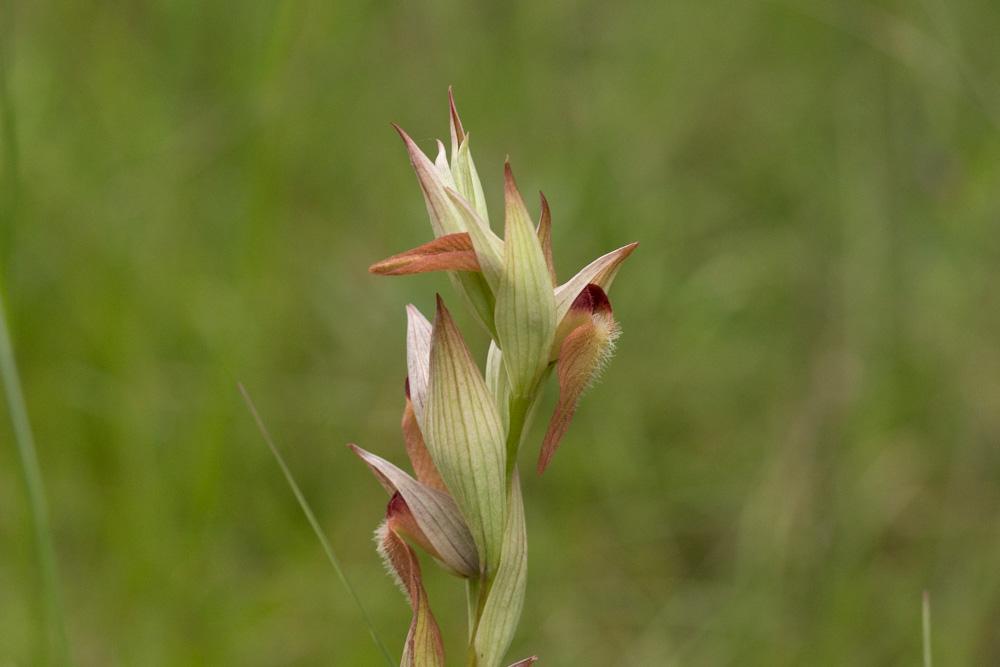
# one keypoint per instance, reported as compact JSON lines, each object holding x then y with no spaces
{"x":467,"y":180}
{"x":545,"y":237}
{"x":443,"y":217}
{"x":465,"y":437}
{"x":505,"y":601}
{"x":423,"y":647}
{"x":525,"y":312}
{"x":416,"y":448}
{"x":582,"y":355}
{"x":435,"y":513}
{"x":451,"y":252}
{"x":600,"y":272}
{"x":418,"y":360}
{"x":487,"y":245}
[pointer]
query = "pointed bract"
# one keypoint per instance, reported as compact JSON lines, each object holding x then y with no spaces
{"x":451,"y":252}
{"x":455,"y":123}
{"x":465,"y":438}
{"x":435,"y":512}
{"x":525,"y":311}
{"x":527,"y":662}
{"x":502,"y":611}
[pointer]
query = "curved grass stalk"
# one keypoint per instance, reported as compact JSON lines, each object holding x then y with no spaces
{"x":56,"y":649}
{"x":307,"y":510}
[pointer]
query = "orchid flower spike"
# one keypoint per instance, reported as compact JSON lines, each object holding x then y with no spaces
{"x":462,"y":429}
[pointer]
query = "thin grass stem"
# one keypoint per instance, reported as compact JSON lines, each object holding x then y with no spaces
{"x":56,"y":649}
{"x":926,"y":622}
{"x":307,"y":510}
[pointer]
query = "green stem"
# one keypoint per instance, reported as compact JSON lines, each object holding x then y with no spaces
{"x":57,"y":647}
{"x":470,"y":651}
{"x":479,"y":591}
{"x":314,"y":523}
{"x":519,"y":407}
{"x":471,"y":605}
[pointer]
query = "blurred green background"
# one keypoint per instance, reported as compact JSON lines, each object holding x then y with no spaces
{"x":799,"y":434}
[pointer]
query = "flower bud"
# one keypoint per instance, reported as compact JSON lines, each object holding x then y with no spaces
{"x":465,"y":437}
{"x":526,"y":309}
{"x":455,"y":203}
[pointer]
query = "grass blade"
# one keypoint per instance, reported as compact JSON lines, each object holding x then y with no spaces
{"x":56,"y":650}
{"x":928,"y":661}
{"x":304,"y":504}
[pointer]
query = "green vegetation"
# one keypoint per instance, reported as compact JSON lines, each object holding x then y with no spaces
{"x":799,"y":432}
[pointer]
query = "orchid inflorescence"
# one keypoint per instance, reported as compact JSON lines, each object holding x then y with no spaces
{"x":463,"y":429}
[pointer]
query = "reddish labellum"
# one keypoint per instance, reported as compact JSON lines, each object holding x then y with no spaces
{"x":592,"y":299}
